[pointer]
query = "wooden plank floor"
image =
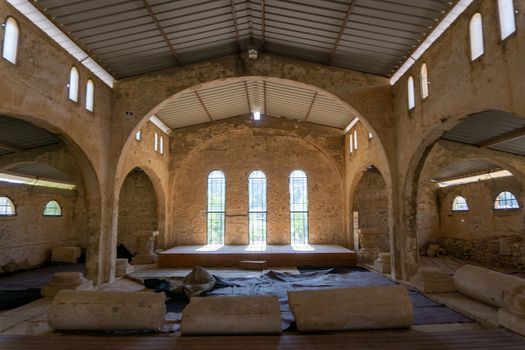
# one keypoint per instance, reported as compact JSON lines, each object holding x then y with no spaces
{"x":384,"y":340}
{"x":275,"y":255}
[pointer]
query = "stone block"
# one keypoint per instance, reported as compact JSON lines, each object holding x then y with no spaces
{"x":253,"y":264}
{"x":122,"y":267}
{"x":222,"y":315}
{"x":66,"y":280}
{"x":351,"y":308}
{"x":485,"y":285}
{"x":433,"y":280}
{"x":382,"y":263}
{"x":106,"y":310}
{"x":511,"y":321}
{"x":65,"y":254}
{"x":145,"y":247}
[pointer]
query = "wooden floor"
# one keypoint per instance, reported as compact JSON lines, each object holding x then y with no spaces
{"x":275,"y":255}
{"x":384,"y":340}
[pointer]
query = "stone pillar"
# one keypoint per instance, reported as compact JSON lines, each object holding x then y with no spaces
{"x":382,"y":263}
{"x":370,"y":244}
{"x":66,"y":280}
{"x":122,"y":267}
{"x":145,"y":247}
{"x":433,"y":280}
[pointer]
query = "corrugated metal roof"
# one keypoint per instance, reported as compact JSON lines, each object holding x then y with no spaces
{"x":482,"y":127}
{"x":246,"y":96}
{"x":16,"y":134}
{"x":38,"y":171}
{"x":130,"y":37}
{"x":464,"y":168}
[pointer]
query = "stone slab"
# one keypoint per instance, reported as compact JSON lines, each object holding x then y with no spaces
{"x":338,"y":309}
{"x":229,"y":315}
{"x":253,"y":264}
{"x":433,"y":280}
{"x":106,"y":310}
{"x":511,"y":321}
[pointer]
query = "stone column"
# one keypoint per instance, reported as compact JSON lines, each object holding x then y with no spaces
{"x":145,"y":247}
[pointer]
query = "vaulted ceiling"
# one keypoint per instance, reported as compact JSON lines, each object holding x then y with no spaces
{"x":130,"y":37}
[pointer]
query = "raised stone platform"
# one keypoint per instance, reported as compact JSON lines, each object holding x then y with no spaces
{"x":275,"y":255}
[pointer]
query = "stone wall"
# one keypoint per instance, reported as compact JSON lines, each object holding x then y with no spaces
{"x":276,"y":146}
{"x":27,"y":237}
{"x":137,"y":208}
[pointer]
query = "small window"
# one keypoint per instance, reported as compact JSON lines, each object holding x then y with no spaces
{"x":156,"y":142}
{"x":73,"y":84}
{"x":161,"y":145}
{"x":138,"y":135}
{"x":52,"y":208}
{"x":11,"y":33}
{"x":506,"y":200}
{"x":216,"y":207}
{"x":90,"y":95}
{"x":507,"y":21}
{"x":7,"y":208}
{"x":423,"y":76}
{"x":411,"y":96}
{"x":476,"y":36}
{"x":257,"y":208}
{"x":298,"y":183}
{"x":459,"y":204}
{"x":370,"y":136}
{"x":355,"y":139}
{"x":351,"y":143}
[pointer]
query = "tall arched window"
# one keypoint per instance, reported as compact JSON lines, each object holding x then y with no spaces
{"x":90,"y":95}
{"x":73,"y":84}
{"x":257,"y":207}
{"x":7,"y":208}
{"x":423,"y":80}
{"x":459,"y":204}
{"x":506,"y":200}
{"x":507,"y":21}
{"x":298,"y":207}
{"x":11,"y":33}
{"x":476,"y":36}
{"x":216,"y":207}
{"x":52,"y":208}
{"x":411,"y":96}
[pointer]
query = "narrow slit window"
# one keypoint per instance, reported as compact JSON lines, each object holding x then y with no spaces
{"x":52,"y":208}
{"x":73,"y":84}
{"x":459,"y":204}
{"x":355,"y":139}
{"x":161,"y":148}
{"x":351,"y":143}
{"x":7,"y":208}
{"x":423,"y":76}
{"x":507,"y":21}
{"x":476,"y":36}
{"x":138,"y":135}
{"x":216,"y":207}
{"x":506,"y":200}
{"x":411,"y":96}
{"x":257,"y":208}
{"x":90,"y":95}
{"x":298,"y":183}
{"x":11,"y":34}
{"x":156,"y":142}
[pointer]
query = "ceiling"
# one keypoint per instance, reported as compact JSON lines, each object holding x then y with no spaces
{"x":38,"y":171}
{"x":17,"y":135}
{"x":245,"y":96}
{"x":465,"y":168}
{"x":130,"y":37}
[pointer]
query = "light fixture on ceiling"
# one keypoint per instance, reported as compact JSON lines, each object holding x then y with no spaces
{"x":256,"y":115}
{"x":252,"y":54}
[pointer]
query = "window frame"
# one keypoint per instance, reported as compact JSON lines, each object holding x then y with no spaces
{"x":69,"y":85}
{"x":263,"y":213}
{"x":501,"y":20}
{"x":90,"y":97}
{"x":11,"y":204}
{"x":411,"y":93}
{"x":472,"y":36}
{"x":423,"y":83}
{"x":16,"y":43}
{"x":513,"y":198}
{"x":455,"y":202}
{"x":292,"y":212}
{"x":52,"y":215}
{"x":209,"y":237}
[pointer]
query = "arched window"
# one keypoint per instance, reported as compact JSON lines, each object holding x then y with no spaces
{"x":411,"y":96}
{"x":476,"y":36}
{"x":298,"y":207}
{"x":423,"y":80}
{"x":459,"y":204}
{"x":507,"y":21}
{"x":73,"y":84}
{"x":161,"y":148}
{"x":506,"y":200}
{"x":52,"y":208}
{"x":90,"y":95}
{"x":257,"y":207}
{"x":11,"y":33}
{"x":138,"y":135}
{"x":156,"y":141}
{"x":216,"y":207}
{"x":7,"y":208}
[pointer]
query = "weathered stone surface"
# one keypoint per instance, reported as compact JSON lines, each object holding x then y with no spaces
{"x":383,"y":263}
{"x":351,"y":308}
{"x":253,"y":264}
{"x":511,"y":321}
{"x":122,"y":267}
{"x":106,"y":310}
{"x":433,"y":280}
{"x":485,"y":285}
{"x":65,"y":254}
{"x":145,"y":247}
{"x":66,"y":280}
{"x":257,"y":314}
